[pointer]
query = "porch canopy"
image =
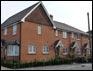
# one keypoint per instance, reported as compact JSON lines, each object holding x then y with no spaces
{"x":58,"y":43}
{"x":86,"y":45}
{"x":9,"y":42}
{"x":74,"y":45}
{"x":12,"y":42}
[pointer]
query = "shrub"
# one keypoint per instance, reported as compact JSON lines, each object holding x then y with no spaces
{"x":80,"y":59}
{"x":52,"y":61}
{"x":89,"y":58}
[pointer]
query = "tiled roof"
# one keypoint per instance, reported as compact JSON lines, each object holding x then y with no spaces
{"x":17,"y":17}
{"x":64,"y":26}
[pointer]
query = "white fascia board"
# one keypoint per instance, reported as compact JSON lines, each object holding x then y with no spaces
{"x":48,"y":15}
{"x":59,"y":43}
{"x":75,"y":45}
{"x":23,"y":19}
{"x":87,"y":46}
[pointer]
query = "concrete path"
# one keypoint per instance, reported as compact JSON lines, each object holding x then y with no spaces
{"x":4,"y":68}
{"x":86,"y":66}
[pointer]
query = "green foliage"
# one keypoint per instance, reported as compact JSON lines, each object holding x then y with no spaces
{"x":52,"y":61}
{"x":81,"y":59}
{"x":89,"y":58}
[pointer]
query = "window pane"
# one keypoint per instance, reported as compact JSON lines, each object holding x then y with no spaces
{"x":39,"y":29}
{"x":14,"y":29}
{"x":5,"y":31}
{"x":79,"y":36}
{"x":56,"y":32}
{"x":65,"y":50}
{"x":16,"y":50}
{"x":31,"y":49}
{"x":64,"y":34}
{"x":72,"y":34}
{"x":45,"y":49}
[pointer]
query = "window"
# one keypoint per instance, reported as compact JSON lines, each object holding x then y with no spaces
{"x":78,"y":50}
{"x":72,"y":34}
{"x":79,"y":36}
{"x":45,"y":49}
{"x":31,"y":49}
{"x":5,"y":31}
{"x":39,"y":29}
{"x":13,"y":50}
{"x":56,"y":32}
{"x":65,"y":50}
{"x":14,"y":29}
{"x":64,"y":34}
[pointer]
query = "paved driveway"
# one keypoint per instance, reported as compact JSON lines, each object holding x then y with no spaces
{"x":62,"y":67}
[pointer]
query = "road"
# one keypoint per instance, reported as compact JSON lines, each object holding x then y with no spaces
{"x":86,"y":66}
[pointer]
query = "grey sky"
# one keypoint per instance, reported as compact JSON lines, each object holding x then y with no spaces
{"x":73,"y":13}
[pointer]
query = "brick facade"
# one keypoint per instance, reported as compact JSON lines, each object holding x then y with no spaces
{"x":27,"y":35}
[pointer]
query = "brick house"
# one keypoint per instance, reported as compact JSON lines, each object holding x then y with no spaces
{"x":33,"y":35}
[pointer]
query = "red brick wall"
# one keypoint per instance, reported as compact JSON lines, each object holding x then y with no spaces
{"x":29,"y":36}
{"x":39,"y":16}
{"x":9,"y":36}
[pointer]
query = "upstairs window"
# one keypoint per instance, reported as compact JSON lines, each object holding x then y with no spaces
{"x":39,"y":29}
{"x":14,"y":29}
{"x":79,"y":50}
{"x":5,"y":31}
{"x":64,"y":34}
{"x":79,"y":36}
{"x":56,"y":32}
{"x":72,"y":34}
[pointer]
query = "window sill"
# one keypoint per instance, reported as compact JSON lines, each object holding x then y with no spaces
{"x":5,"y":35}
{"x":64,"y":37}
{"x":65,"y":53}
{"x":12,"y":55}
{"x":32,"y":53}
{"x":13,"y":34}
{"x":78,"y":39}
{"x":45,"y":53}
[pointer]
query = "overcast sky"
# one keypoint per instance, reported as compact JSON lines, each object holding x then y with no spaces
{"x":73,"y":13}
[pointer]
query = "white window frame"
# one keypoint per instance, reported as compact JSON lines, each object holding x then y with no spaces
{"x":78,"y":36}
{"x":5,"y":31}
{"x":39,"y":29}
{"x":64,"y":34}
{"x":79,"y":50}
{"x":73,"y":34}
{"x":45,"y":49}
{"x":66,"y":51}
{"x":31,"y":49}
{"x":56,"y":32}
{"x":14,"y":29}
{"x":13,"y":50}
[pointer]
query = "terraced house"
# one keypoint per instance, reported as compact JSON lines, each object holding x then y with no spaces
{"x":32,"y":34}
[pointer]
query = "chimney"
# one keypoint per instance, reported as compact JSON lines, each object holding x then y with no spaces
{"x":51,"y":16}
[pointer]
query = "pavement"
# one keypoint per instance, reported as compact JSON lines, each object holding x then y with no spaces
{"x":84,"y":66}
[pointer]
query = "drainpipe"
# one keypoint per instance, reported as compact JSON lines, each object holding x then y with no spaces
{"x":89,"y":32}
{"x":20,"y":41}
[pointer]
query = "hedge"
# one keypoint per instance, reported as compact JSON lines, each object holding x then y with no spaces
{"x":52,"y":61}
